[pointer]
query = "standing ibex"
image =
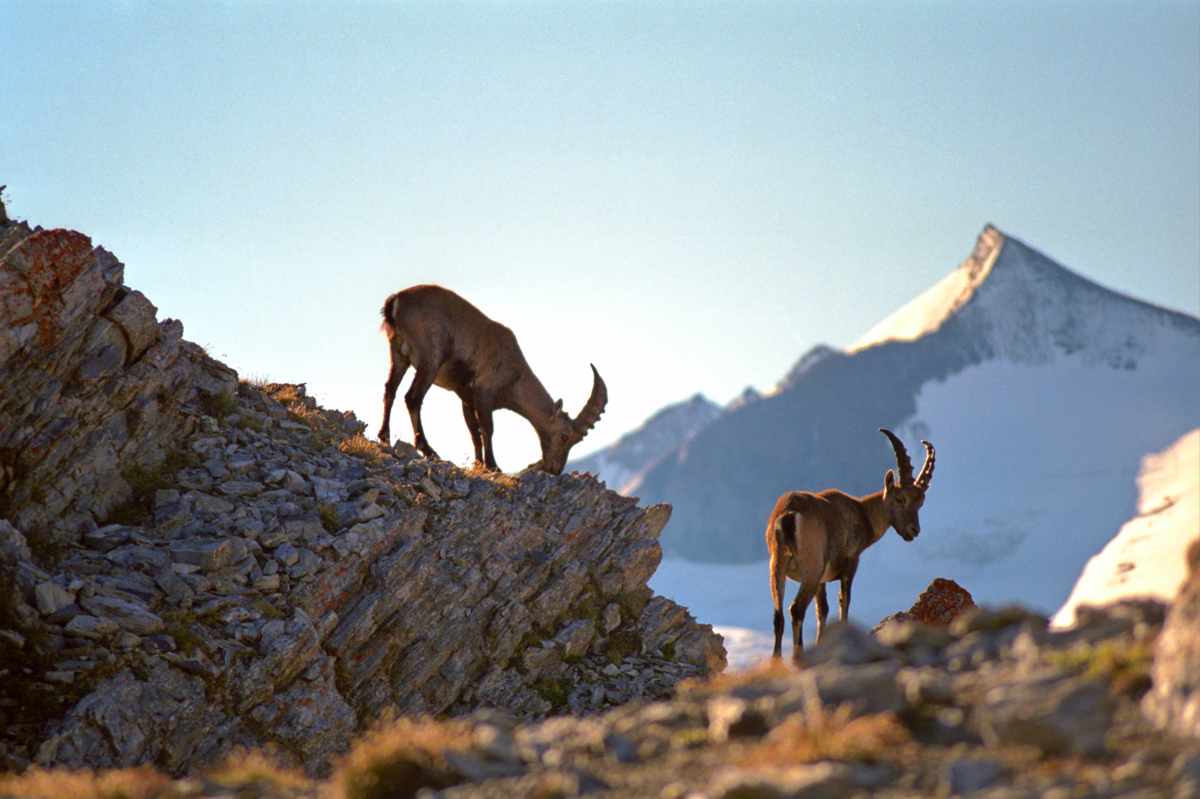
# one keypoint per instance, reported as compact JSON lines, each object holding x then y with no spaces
{"x":818,"y":538}
{"x":453,"y":345}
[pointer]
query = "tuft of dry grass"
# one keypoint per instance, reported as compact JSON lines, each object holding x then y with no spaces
{"x":142,"y":782}
{"x":1125,"y":665}
{"x":835,"y":735}
{"x":1106,"y":659}
{"x":299,"y":412}
{"x":765,"y":669}
{"x":397,"y":758}
{"x":771,"y":669}
{"x":817,"y":733}
{"x":503,"y":481}
{"x":286,"y":394}
{"x":255,"y":772}
{"x":361,"y":447}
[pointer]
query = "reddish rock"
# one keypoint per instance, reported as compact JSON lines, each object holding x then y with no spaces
{"x":941,"y":603}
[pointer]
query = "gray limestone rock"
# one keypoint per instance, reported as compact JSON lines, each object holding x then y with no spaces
{"x":1173,"y":702}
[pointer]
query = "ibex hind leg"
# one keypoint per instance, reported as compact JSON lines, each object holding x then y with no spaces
{"x":395,"y":375}
{"x":778,"y":581}
{"x":799,"y":606}
{"x":484,"y":405}
{"x":422,"y":382}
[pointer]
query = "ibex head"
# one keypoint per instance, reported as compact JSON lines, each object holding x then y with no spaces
{"x":902,"y":501}
{"x":565,"y":432}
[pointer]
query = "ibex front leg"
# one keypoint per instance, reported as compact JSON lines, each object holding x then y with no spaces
{"x":473,"y":428}
{"x":822,"y":610}
{"x":477,"y":411}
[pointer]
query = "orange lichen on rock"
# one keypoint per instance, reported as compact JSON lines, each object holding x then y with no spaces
{"x":941,"y":603}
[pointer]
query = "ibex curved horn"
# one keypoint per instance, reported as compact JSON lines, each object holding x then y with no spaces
{"x":590,"y":414}
{"x":903,"y":464}
{"x":927,"y":470}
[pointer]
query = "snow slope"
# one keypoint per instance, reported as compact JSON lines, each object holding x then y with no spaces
{"x":1036,"y":472}
{"x":1146,"y":559}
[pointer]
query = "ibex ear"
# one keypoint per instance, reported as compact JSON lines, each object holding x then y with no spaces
{"x":558,"y":406}
{"x":889,"y":481}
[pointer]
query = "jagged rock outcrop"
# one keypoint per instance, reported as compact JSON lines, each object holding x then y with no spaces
{"x":94,"y":386}
{"x":1174,"y":702}
{"x":189,"y":563}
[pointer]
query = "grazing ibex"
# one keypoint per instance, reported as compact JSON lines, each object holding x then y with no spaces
{"x":818,"y":538}
{"x":453,"y":345}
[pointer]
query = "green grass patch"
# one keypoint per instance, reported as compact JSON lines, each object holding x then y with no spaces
{"x":329,"y":517}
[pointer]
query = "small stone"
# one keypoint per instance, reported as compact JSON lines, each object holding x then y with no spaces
{"x":824,"y":780}
{"x":207,"y":503}
{"x":108,"y":537}
{"x":1059,"y":715}
{"x":294,"y":482}
{"x":287,"y":554}
{"x":240,"y":488}
{"x":87,"y":626}
{"x":964,"y":777}
{"x":51,"y":598}
{"x":133,"y":617}
{"x":612,"y":618}
{"x":127,"y":640}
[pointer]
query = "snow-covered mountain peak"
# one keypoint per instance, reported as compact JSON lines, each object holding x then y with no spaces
{"x":926,"y":312}
{"x":1016,"y":304}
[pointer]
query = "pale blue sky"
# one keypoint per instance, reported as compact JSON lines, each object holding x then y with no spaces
{"x":688,"y":195}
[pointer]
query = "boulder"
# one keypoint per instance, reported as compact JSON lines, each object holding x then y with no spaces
{"x":1173,"y":703}
{"x":937,"y":606}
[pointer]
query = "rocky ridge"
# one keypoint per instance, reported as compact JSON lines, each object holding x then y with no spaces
{"x":189,"y":563}
{"x":995,"y":705}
